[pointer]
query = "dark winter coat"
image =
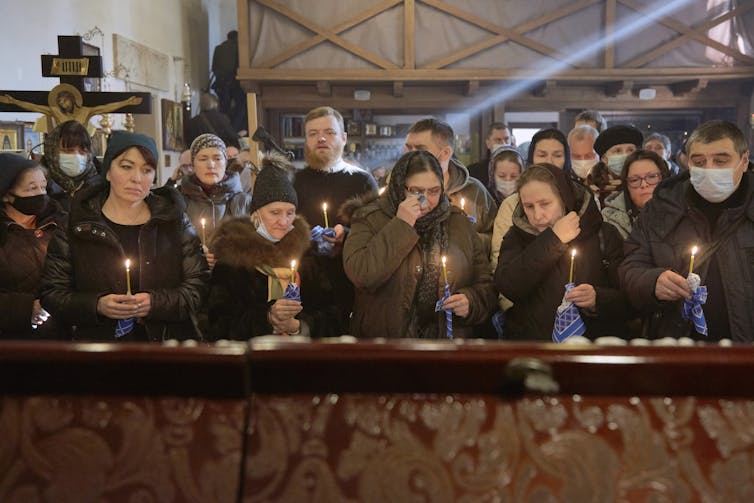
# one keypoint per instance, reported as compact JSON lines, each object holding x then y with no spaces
{"x":238,"y":305}
{"x":382,"y":258}
{"x":85,"y":261}
{"x":22,"y":256}
{"x":662,"y":237}
{"x":533,"y":269}
{"x":226,"y":200}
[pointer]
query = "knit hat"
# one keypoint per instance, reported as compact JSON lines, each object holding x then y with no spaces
{"x":11,"y":165}
{"x":273,"y":184}
{"x":207,"y":140}
{"x":120,"y":141}
{"x":617,"y":135}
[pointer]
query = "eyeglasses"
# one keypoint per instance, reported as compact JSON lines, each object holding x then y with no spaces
{"x":433,"y":192}
{"x":635,"y":181}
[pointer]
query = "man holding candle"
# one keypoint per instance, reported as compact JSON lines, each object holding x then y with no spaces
{"x":710,"y":207}
{"x":86,"y":280}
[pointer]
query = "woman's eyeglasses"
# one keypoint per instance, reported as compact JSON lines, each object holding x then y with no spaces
{"x":635,"y":181}
{"x":432,"y":192}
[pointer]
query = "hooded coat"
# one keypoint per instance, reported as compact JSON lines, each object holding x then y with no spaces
{"x":382,"y":258}
{"x":478,"y":202}
{"x":85,"y":261}
{"x":238,"y":305}
{"x":667,"y":227}
{"x":533,"y":269}
{"x":616,"y":212}
{"x":225,"y":200}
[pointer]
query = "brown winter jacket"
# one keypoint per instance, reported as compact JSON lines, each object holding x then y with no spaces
{"x":381,"y":257}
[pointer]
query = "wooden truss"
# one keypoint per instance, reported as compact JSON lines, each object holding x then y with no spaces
{"x":437,"y":70}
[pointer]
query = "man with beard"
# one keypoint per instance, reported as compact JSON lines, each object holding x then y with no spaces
{"x":327,"y":178}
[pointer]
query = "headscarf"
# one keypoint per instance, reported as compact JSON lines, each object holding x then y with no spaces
{"x":491,"y":168}
{"x":551,"y":134}
{"x":52,"y":159}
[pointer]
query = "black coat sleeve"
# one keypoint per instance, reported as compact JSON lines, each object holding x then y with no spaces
{"x":612,"y":302}
{"x":236,"y":310}
{"x":15,"y":315}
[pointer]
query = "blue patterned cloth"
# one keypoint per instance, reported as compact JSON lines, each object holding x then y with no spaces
{"x":568,"y":320}
{"x":448,"y":312}
{"x":472,"y":219}
{"x":692,"y":308}
{"x":124,"y":327}
{"x":324,"y":248}
{"x":292,"y":292}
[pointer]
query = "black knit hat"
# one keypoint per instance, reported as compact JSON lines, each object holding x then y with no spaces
{"x":273,"y":185}
{"x":120,"y":141}
{"x":617,"y":135}
{"x":11,"y":165}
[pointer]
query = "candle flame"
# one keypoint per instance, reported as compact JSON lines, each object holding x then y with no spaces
{"x":463,"y":203}
{"x":382,"y":189}
{"x":128,"y":263}
{"x":444,"y":259}
{"x":573,"y":252}
{"x":694,"y":250}
{"x":293,"y":264}
{"x":204,"y":222}
{"x":324,"y":206}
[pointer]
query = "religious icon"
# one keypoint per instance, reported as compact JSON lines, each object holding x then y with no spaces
{"x":66,"y":103}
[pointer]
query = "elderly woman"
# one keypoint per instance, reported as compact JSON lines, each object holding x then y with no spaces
{"x":642,"y":172}
{"x":253,"y":268}
{"x":212,"y":193}
{"x":28,"y":220}
{"x":86,"y":282}
{"x":393,"y":257}
{"x":554,"y":216}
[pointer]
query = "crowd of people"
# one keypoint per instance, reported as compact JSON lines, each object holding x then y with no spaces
{"x":593,"y":232}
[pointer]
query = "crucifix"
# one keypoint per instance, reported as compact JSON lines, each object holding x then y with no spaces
{"x":68,"y":100}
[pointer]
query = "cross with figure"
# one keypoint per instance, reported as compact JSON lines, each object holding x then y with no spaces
{"x":68,"y":100}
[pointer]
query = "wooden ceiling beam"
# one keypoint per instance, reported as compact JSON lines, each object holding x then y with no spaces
{"x":324,"y":88}
{"x":398,"y":89}
{"x":471,"y":87}
{"x":610,"y":14}
{"x":618,"y":88}
{"x":409,"y":22}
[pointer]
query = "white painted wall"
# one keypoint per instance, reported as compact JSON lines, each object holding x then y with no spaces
{"x":186,"y":30}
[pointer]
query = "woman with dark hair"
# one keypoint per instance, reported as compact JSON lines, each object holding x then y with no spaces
{"x":393,"y":257}
{"x":69,"y":161}
{"x":642,"y":172}
{"x":28,"y":219}
{"x":88,"y":283}
{"x":556,"y":215}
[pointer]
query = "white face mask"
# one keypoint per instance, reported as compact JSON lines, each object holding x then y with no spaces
{"x":714,"y":185}
{"x":262,"y":230}
{"x":72,"y":164}
{"x":615,"y":164}
{"x":582,"y":167}
{"x":505,"y":187}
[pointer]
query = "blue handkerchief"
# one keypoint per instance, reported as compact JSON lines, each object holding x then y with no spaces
{"x":323,"y":247}
{"x":568,"y":320}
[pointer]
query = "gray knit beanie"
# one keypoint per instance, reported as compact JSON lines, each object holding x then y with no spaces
{"x":207,"y":140}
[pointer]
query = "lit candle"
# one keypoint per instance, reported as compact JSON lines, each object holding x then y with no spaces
{"x":444,"y":268}
{"x":204,"y":231}
{"x":693,"y":255}
{"x":463,"y":204}
{"x":570,"y":273}
{"x":324,"y":210}
{"x":293,"y":272}
{"x":128,"y":277}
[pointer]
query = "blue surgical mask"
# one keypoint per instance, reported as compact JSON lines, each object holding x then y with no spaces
{"x":72,"y":164}
{"x":615,"y":164}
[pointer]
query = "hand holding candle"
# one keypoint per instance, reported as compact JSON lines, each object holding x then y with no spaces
{"x":324,"y":210}
{"x":204,"y":232}
{"x":693,"y":255}
{"x":570,"y":272}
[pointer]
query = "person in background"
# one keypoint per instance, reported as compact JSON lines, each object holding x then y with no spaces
{"x":642,"y":172}
{"x":583,"y":156}
{"x":85,"y":284}
{"x":498,"y":134}
{"x":212,"y":121}
{"x":28,"y":220}
{"x":254,"y":267}
{"x":710,"y":206}
{"x":393,"y":257}
{"x":591,"y":118}
{"x":660,"y":145}
{"x":212,"y":193}
{"x":70,"y":163}
{"x":613,"y":145}
{"x":505,"y":167}
{"x":184,"y":168}
{"x":556,"y":215}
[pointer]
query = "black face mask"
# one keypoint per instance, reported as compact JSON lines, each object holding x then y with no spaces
{"x":31,"y":205}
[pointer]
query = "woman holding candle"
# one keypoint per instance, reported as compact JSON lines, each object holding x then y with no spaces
{"x":393,"y":257}
{"x":28,"y":220}
{"x":212,"y":193}
{"x":85,"y":279}
{"x":554,"y":217}
{"x":258,"y":257}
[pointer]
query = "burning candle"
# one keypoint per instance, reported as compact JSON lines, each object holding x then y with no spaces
{"x":204,"y":231}
{"x":570,"y":273}
{"x":693,"y":255}
{"x":128,"y":277}
{"x":293,"y":272}
{"x":324,"y":210}
{"x":463,"y":204}
{"x":445,"y":268}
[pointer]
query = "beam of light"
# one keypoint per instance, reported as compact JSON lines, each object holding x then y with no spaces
{"x":545,"y":69}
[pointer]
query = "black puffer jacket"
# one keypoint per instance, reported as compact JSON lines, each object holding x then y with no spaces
{"x":22,"y":256}
{"x":86,"y":261}
{"x":238,"y":305}
{"x":533,"y":269}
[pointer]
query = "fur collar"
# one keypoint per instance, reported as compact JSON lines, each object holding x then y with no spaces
{"x":238,"y":244}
